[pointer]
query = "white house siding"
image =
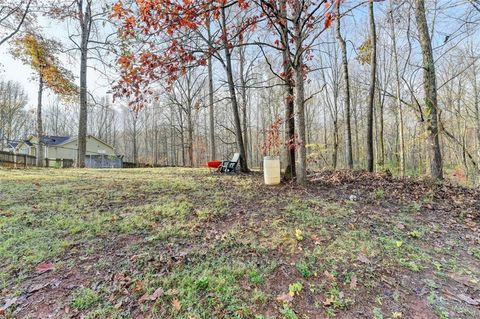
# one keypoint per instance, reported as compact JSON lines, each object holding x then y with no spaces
{"x":69,"y":150}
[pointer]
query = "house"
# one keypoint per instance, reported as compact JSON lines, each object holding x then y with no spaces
{"x":10,"y":146}
{"x":64,"y":147}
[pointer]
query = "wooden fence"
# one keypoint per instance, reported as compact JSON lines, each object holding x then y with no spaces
{"x":9,"y":159}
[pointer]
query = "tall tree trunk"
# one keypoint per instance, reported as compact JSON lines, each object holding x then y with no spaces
{"x":300,"y":99}
{"x":40,"y":155}
{"x":243,"y":92}
{"x":430,"y":87}
{"x":190,"y":136}
{"x":476,"y":108}
{"x":381,"y":138}
{"x":233,"y":96}
{"x":335,"y":145}
{"x":211,"y":110}
{"x":371,"y":93}
{"x":289,"y":93}
{"x":398,"y":99}
{"x":85,"y":24}
{"x":135,"y":151}
{"x":348,"y":126}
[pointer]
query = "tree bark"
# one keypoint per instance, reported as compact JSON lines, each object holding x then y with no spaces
{"x":40,"y":155}
{"x":300,"y":99}
{"x":211,"y":110}
{"x":243,"y":92}
{"x":348,"y":125}
{"x":476,"y":108}
{"x":430,"y":87}
{"x":371,"y":93}
{"x":381,"y":138}
{"x":85,"y":25}
{"x":398,"y":99}
{"x":233,"y":96}
{"x":135,"y":150}
{"x":290,"y":172}
{"x":190,"y":136}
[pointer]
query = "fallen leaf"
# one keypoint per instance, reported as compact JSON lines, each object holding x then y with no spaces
{"x":298,"y":234}
{"x":44,"y":267}
{"x":135,"y":257}
{"x":329,"y":276}
{"x":328,"y":301}
{"x":176,"y":304}
{"x":138,"y":286}
{"x":37,"y":287}
{"x":353,"y":282}
{"x":156,"y":294}
{"x":172,"y":292}
{"x":284,"y":298}
{"x":121,"y":278}
{"x":361,"y":257}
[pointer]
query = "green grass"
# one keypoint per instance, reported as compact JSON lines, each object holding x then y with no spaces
{"x":216,"y":246}
{"x":84,"y":299}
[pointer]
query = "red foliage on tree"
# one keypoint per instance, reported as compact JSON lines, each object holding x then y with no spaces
{"x":161,"y":27}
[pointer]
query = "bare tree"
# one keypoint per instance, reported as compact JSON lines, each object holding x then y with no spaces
{"x":346,"y":79}
{"x":13,"y":14}
{"x":371,"y":93}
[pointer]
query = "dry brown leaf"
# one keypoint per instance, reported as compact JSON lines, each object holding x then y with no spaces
{"x":284,"y":298}
{"x":147,"y":297}
{"x":176,"y":304}
{"x":327,"y":302}
{"x":361,"y":257}
{"x":353,"y":282}
{"x":329,"y":276}
{"x":44,"y":267}
{"x":138,"y":286}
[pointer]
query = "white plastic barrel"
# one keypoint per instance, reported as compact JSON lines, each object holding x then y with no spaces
{"x":271,"y":170}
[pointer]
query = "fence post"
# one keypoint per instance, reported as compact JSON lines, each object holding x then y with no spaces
{"x":25,"y":160}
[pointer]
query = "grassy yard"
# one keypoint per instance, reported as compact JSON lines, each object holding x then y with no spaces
{"x":186,"y":243}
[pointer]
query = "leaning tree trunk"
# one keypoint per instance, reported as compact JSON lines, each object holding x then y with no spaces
{"x":40,"y":155}
{"x":348,"y":125}
{"x":430,"y":87}
{"x":233,"y":96}
{"x":371,"y":93}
